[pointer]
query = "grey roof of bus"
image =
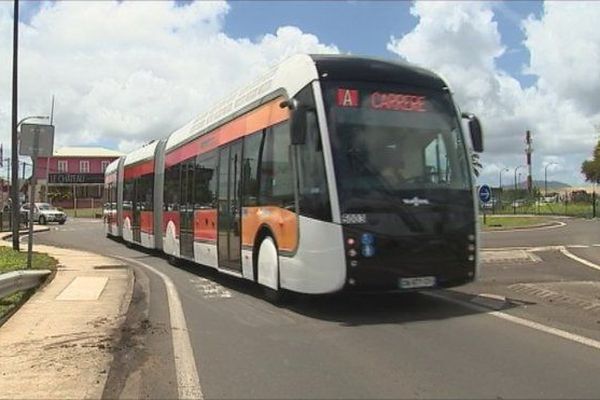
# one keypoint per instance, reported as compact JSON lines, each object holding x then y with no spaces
{"x":348,"y":67}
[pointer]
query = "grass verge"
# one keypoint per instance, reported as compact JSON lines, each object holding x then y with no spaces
{"x":498,"y":223}
{"x":11,"y":260}
{"x":83,"y":212}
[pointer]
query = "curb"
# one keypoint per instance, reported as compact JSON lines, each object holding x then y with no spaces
{"x":516,"y":228}
{"x":24,"y":232}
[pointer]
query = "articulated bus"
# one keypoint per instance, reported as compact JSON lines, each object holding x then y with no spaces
{"x":328,"y":173}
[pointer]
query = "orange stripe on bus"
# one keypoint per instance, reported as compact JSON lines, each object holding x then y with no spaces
{"x":282,"y":223}
{"x":267,"y":115}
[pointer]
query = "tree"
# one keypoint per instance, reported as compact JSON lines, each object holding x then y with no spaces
{"x":476,"y":162}
{"x":591,"y":168}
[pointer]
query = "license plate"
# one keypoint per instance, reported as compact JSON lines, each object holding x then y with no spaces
{"x":418,"y":282}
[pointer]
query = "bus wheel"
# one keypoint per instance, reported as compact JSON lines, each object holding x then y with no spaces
{"x":268,"y":271}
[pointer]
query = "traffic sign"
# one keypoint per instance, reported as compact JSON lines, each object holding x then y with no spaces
{"x":485,"y":193}
{"x":36,"y":140}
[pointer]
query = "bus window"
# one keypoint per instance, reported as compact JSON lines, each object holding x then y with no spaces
{"x":276,"y":179}
{"x":250,"y":170}
{"x":171,"y":191}
{"x":206,"y":181}
{"x":313,"y":194}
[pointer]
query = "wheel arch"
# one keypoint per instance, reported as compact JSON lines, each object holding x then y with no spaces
{"x":263,"y":231}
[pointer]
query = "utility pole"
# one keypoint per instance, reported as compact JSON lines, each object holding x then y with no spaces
{"x":14,"y":193}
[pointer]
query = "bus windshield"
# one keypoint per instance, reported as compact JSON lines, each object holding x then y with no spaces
{"x":394,"y":140}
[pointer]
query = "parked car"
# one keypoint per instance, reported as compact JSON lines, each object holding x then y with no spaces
{"x":44,"y":213}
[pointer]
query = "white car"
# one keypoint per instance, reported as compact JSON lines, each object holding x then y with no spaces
{"x":44,"y":213}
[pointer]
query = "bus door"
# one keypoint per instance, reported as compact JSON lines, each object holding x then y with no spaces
{"x":229,"y":207}
{"x":186,"y":211}
{"x":135,"y":210}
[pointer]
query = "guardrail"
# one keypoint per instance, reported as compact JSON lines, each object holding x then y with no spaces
{"x":12,"y":282}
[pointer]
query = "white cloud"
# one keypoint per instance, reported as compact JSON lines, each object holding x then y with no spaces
{"x":565,"y":51}
{"x":125,"y":72}
{"x":461,"y":41}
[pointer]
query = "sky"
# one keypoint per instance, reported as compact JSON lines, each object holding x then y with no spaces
{"x":124,"y":73}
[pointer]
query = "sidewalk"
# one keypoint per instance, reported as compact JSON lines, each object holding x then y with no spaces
{"x":58,"y":345}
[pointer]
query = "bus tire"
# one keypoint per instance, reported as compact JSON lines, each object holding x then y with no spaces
{"x":268,"y":271}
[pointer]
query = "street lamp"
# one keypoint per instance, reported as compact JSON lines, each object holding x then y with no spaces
{"x":33,"y":117}
{"x":516,"y":169}
{"x":500,"y":185}
{"x":500,"y":177}
{"x":546,"y":177}
{"x":515,"y":199}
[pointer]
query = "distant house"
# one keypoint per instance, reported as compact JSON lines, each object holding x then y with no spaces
{"x":73,"y":176}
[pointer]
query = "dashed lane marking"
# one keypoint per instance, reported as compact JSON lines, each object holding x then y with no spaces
{"x":520,"y":321}
{"x":577,"y":246}
{"x":188,"y":383}
{"x":539,"y":290}
{"x":579,"y":259}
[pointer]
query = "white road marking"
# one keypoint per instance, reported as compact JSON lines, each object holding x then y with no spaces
{"x":210,"y":289}
{"x":596,"y":245}
{"x":559,"y":224}
{"x":533,"y":248}
{"x":521,"y":321}
{"x":579,"y":259}
{"x":188,"y":383}
{"x":577,"y":246}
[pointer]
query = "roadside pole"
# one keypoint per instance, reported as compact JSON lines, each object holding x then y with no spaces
{"x":485,"y":195}
{"x":36,"y":140}
{"x":14,"y":188}
{"x":32,"y":206}
{"x":484,"y":217}
{"x":74,"y":201}
{"x":594,"y":201}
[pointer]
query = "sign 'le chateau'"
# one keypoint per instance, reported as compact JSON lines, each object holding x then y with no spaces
{"x":70,"y":179}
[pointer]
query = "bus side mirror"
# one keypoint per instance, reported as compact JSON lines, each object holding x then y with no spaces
{"x":476,"y":132}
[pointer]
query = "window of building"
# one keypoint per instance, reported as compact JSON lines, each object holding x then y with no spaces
{"x":63,"y":166}
{"x":84,"y":166}
{"x":105,"y":165}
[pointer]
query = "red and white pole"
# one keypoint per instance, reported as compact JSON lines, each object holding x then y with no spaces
{"x":528,"y":151}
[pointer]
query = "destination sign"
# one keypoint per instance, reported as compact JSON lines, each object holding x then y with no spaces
{"x":381,"y":100}
{"x":398,"y":102}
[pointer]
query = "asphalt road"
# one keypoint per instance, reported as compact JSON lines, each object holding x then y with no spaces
{"x":577,"y":231}
{"x":377,"y":346}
